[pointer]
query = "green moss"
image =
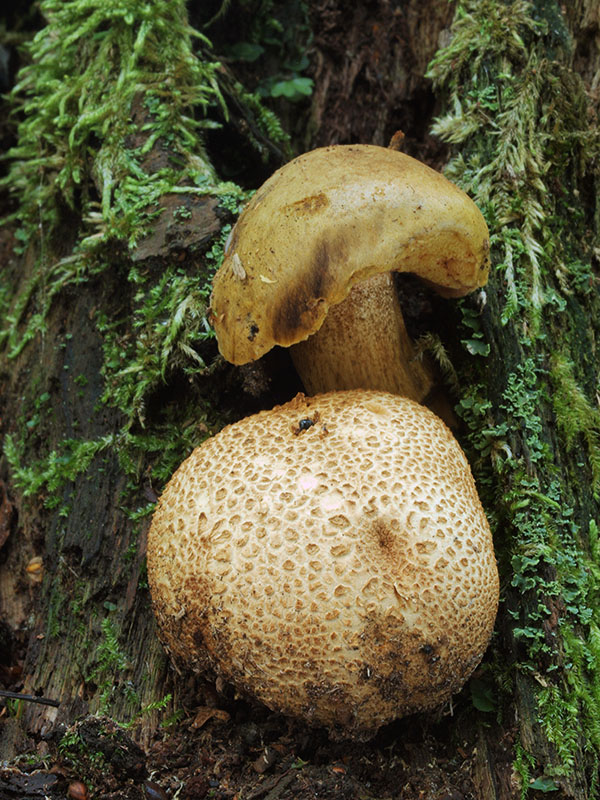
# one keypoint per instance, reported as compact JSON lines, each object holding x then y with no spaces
{"x":111,"y":111}
{"x":523,"y":764}
{"x":94,"y":67}
{"x":575,"y":414}
{"x":110,"y":90}
{"x":111,"y":661}
{"x":519,"y":115}
{"x":53,"y":472}
{"x":528,"y":113}
{"x":432,"y":344}
{"x":157,"y":453}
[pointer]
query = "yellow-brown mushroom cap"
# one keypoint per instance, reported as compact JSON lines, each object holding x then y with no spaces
{"x":328,"y":220}
{"x":329,"y":557}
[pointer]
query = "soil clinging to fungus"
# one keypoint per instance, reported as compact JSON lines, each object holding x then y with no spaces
{"x":331,"y":221}
{"x":329,"y":557}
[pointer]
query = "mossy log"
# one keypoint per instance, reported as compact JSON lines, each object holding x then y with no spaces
{"x":108,"y":376}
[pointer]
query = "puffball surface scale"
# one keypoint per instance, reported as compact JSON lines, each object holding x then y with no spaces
{"x":329,"y":557}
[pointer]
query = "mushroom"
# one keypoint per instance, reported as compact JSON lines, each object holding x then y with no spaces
{"x":309,"y":266}
{"x":329,"y":557}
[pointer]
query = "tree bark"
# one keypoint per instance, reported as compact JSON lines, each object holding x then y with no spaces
{"x":76,"y":619}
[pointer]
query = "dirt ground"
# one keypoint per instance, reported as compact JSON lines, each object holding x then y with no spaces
{"x":226,"y":749}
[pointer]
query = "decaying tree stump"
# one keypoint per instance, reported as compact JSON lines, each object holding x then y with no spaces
{"x":87,"y":447}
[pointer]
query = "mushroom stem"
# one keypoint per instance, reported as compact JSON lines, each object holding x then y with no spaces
{"x":363,"y":344}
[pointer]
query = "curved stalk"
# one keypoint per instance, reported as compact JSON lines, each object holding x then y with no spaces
{"x":363,"y":344}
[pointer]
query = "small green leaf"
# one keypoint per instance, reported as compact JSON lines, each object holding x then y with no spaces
{"x":476,"y":347}
{"x":482,"y":695}
{"x":245,"y":51}
{"x":543,"y":784}
{"x":527,"y":633}
{"x":303,"y":86}
{"x":293,"y":89}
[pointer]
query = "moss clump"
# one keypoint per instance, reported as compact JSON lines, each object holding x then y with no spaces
{"x":112,"y":108}
{"x":111,"y":112}
{"x":520,"y":117}
{"x":94,"y":68}
{"x":528,"y":113}
{"x":576,"y":416}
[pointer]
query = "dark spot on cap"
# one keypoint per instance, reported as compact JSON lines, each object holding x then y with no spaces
{"x":429,"y":652}
{"x":382,"y":534}
{"x":198,"y":639}
{"x":253,"y":331}
{"x":299,"y":310}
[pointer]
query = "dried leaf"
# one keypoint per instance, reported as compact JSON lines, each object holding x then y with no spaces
{"x":205,"y":713}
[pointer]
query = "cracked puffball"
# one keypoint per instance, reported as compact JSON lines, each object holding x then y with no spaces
{"x":329,"y":557}
{"x":309,"y":266}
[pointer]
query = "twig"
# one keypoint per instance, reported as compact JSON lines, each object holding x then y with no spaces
{"x":45,"y":701}
{"x":273,"y":787}
{"x":278,"y":789}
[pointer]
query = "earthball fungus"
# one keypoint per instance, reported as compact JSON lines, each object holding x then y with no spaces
{"x":309,"y":266}
{"x":329,"y":557}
